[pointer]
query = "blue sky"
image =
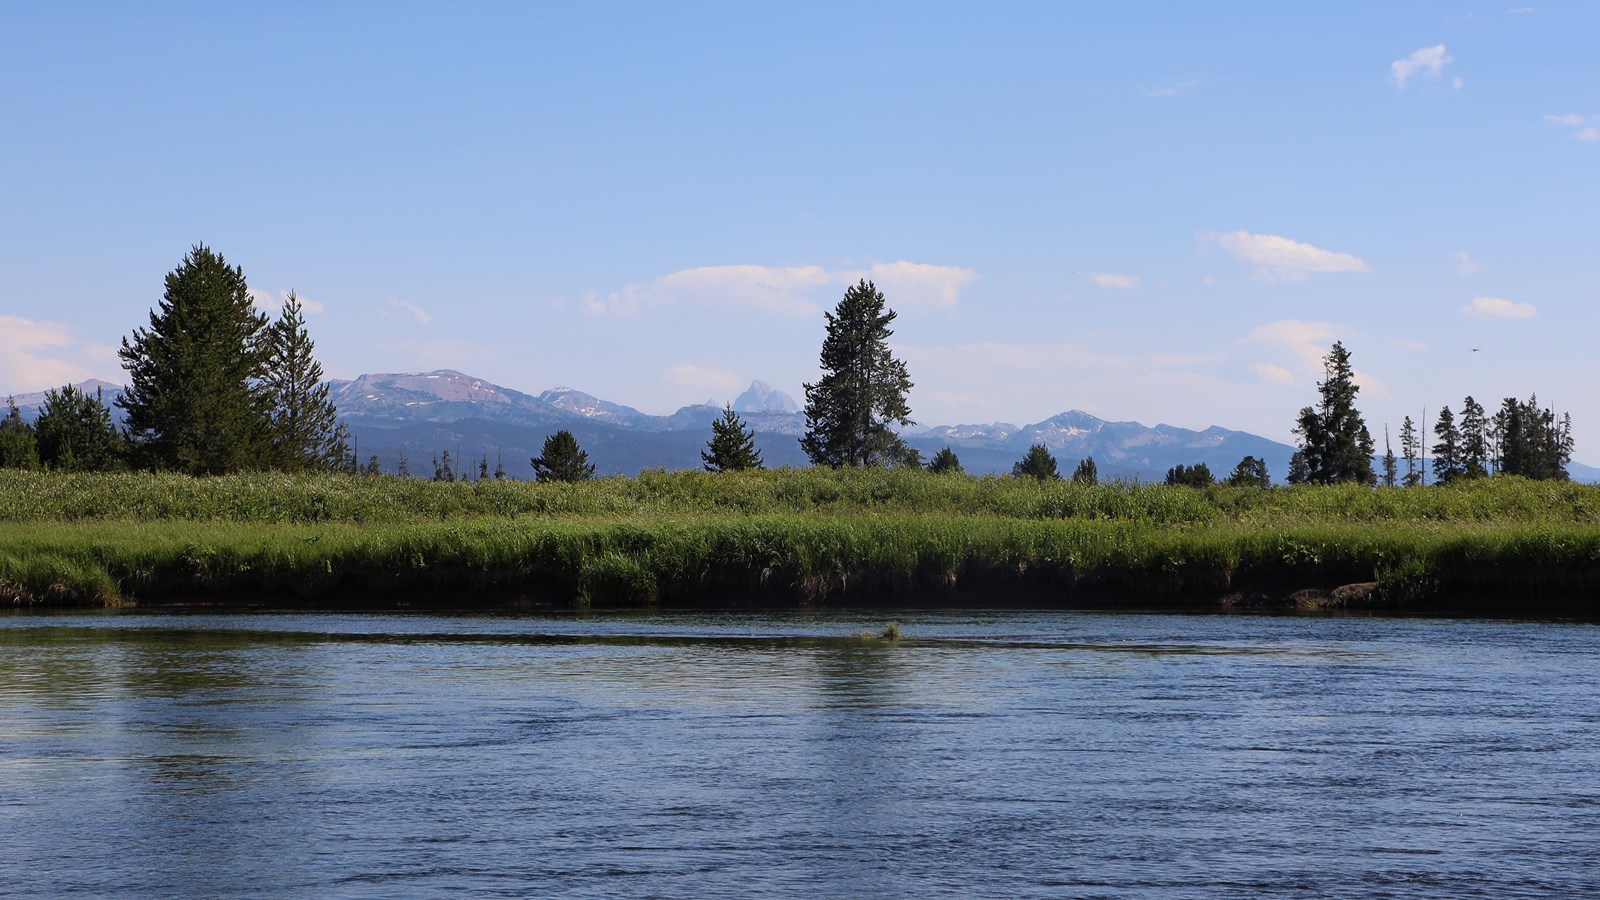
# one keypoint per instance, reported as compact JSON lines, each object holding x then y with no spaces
{"x":1160,"y":212}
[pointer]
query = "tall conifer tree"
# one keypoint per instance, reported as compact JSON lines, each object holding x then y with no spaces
{"x":863,"y":388}
{"x":194,"y":398}
{"x":305,"y":423}
{"x":75,"y":432}
{"x":1335,"y":445}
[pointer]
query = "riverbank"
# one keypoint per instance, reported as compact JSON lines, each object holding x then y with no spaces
{"x":792,"y":537}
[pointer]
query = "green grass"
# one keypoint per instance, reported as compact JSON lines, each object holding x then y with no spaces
{"x":782,"y":536}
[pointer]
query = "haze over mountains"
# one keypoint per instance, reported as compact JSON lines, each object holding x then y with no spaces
{"x":418,"y":416}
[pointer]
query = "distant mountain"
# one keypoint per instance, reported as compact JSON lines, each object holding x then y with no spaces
{"x":761,"y":397}
{"x":30,"y":404}
{"x":417,"y":416}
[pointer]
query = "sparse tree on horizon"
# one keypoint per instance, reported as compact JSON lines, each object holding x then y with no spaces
{"x":1391,"y":468}
{"x":1086,"y":472}
{"x":19,"y":448}
{"x":1250,"y":472}
{"x":74,"y":432}
{"x":945,"y":462}
{"x":1039,"y":464}
{"x":1197,"y":475}
{"x":562,"y":460}
{"x":732,"y":447}
{"x":1409,"y":447}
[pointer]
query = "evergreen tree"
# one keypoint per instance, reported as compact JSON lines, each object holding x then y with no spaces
{"x":562,"y":460}
{"x":373,"y":468}
{"x":1533,"y":442}
{"x":1197,"y":475}
{"x":1250,"y":472}
{"x":1335,"y":446}
{"x":401,"y":469}
{"x":1086,"y":472}
{"x":1447,"y":462}
{"x":19,"y":449}
{"x":732,"y":448}
{"x":443,"y":469}
{"x":1037,"y":464}
{"x":305,"y":423}
{"x":75,"y":433}
{"x":1391,"y":469}
{"x":1410,"y":445}
{"x":194,"y":397}
{"x":483,"y":468}
{"x":863,"y":388}
{"x":1474,"y":440}
{"x":499,"y":468}
{"x":945,"y":461}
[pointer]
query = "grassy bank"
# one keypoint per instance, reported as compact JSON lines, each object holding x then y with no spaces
{"x":789,"y":536}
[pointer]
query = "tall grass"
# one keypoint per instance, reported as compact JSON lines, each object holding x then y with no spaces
{"x":280,"y":498}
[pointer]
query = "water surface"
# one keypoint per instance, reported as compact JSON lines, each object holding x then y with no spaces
{"x":999,"y":754}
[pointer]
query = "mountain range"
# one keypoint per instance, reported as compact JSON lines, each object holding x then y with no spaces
{"x":419,"y":416}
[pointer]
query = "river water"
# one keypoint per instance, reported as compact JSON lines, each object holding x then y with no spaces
{"x":992,"y":754}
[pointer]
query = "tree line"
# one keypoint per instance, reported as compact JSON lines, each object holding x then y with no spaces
{"x":214,"y":386}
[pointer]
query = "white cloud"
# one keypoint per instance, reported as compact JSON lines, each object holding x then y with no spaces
{"x":36,"y":356}
{"x":1584,"y":128}
{"x":272,"y":304}
{"x":1115,"y":282}
{"x":1275,"y":374}
{"x":1278,"y":258}
{"x":1498,"y":308}
{"x":918,"y":284}
{"x":704,"y":377}
{"x":1465,"y":264}
{"x":785,"y":291}
{"x":1458,"y":83}
{"x":1427,"y":62}
{"x":417,"y":312}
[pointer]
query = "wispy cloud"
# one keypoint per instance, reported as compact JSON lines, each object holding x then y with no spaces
{"x":698,"y":376}
{"x":1115,"y":282}
{"x":1519,"y":10}
{"x":1301,"y":346}
{"x":1277,"y":258}
{"x":785,"y":291}
{"x":1173,"y":88}
{"x":36,"y":355}
{"x":1498,"y":308}
{"x":417,"y":312}
{"x":1465,"y":264}
{"x":1427,"y":62}
{"x":1584,"y":128}
{"x":272,"y":304}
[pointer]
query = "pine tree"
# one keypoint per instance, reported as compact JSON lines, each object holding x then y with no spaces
{"x":1474,"y":440}
{"x":373,"y":467}
{"x":499,"y":468}
{"x":1391,"y":469}
{"x":1447,"y":463}
{"x":1335,"y":445}
{"x":1409,"y":448}
{"x":1038,"y":464}
{"x":401,"y":469}
{"x":1197,"y":475}
{"x":1250,"y":472}
{"x":562,"y":460}
{"x":1086,"y":472}
{"x":945,"y":462}
{"x":74,"y":432}
{"x":1533,"y":442}
{"x":444,"y":469}
{"x":863,"y":388}
{"x":19,"y":449}
{"x":194,"y":398}
{"x":305,"y":423}
{"x":483,"y":468}
{"x":732,"y":448}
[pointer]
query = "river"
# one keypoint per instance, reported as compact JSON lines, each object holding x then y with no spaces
{"x":690,"y":755}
